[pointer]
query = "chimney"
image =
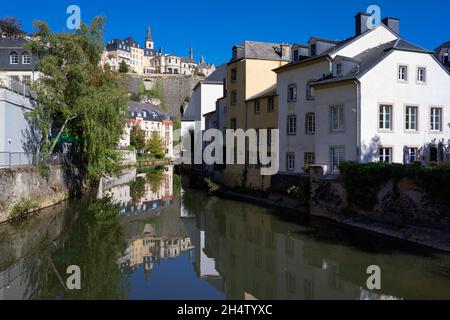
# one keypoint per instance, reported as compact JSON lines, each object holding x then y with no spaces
{"x":361,"y":22}
{"x":393,"y":24}
{"x":285,"y":51}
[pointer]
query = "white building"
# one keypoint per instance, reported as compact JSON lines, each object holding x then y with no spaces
{"x":152,"y":121}
{"x":203,"y":100}
{"x":16,"y":139}
{"x":373,"y":97}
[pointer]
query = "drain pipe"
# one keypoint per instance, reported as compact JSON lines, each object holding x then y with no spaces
{"x":358,"y":120}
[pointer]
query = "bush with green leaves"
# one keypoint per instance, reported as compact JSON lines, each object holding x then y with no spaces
{"x":363,"y":181}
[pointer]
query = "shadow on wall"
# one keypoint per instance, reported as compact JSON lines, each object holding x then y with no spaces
{"x":434,"y":151}
{"x":370,"y":152}
{"x":32,"y":136}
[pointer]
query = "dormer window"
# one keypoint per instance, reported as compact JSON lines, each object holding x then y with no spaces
{"x":26,"y":58}
{"x":14,"y":58}
{"x":234,"y":53}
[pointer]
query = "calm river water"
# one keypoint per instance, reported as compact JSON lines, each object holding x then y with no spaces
{"x":146,"y":235}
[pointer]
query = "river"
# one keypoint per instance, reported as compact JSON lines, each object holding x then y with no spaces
{"x":147,"y":236}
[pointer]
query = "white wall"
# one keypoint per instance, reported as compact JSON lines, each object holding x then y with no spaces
{"x":346,"y":97}
{"x":380,"y":85}
{"x":372,"y":39}
{"x":300,"y":143}
{"x":13,"y":124}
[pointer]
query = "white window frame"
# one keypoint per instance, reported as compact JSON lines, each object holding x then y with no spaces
{"x":410,"y":154}
{"x":292,"y":93}
{"x":290,"y":161}
{"x":433,"y":118}
{"x":338,"y":69}
{"x":337,"y":157}
{"x":14,"y":58}
{"x":311,"y":123}
{"x":402,"y":76}
{"x":383,"y":124}
{"x":411,"y":119}
{"x":26,"y":58}
{"x":337,"y":115}
{"x":385,"y":154}
{"x":421,"y":78}
{"x":292,"y":127}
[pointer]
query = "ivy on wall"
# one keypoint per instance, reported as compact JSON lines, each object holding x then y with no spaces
{"x":363,"y":181}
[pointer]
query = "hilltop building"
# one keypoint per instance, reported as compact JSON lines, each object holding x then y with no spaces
{"x":147,"y":60}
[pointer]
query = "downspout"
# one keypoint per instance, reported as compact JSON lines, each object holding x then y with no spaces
{"x":358,"y":119}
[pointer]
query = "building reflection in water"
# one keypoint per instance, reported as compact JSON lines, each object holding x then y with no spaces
{"x":155,"y":231}
{"x":259,"y":256}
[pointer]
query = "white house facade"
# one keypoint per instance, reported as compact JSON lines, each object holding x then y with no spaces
{"x":203,"y":100}
{"x":373,"y":97}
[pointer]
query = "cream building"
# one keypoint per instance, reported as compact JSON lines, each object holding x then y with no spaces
{"x":148,"y":61}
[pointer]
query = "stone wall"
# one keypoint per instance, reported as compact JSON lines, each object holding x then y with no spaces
{"x":403,"y":203}
{"x":26,"y":183}
{"x":175,"y":89}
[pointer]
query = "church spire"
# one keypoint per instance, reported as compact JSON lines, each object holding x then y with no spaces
{"x":149,"y":44}
{"x":149,"y":34}
{"x":191,"y":53}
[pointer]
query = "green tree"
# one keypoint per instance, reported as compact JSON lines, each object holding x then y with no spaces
{"x":123,"y":67}
{"x":137,"y":138}
{"x":77,"y":97}
{"x":155,"y":146}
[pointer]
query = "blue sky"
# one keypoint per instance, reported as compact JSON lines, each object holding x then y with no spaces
{"x":213,"y":27}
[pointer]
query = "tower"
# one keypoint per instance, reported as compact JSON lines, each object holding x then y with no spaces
{"x":149,"y":44}
{"x":191,"y":53}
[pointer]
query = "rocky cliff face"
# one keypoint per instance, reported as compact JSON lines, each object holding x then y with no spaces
{"x":175,"y":89}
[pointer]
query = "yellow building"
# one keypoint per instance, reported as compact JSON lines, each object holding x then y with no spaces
{"x":252,"y":100}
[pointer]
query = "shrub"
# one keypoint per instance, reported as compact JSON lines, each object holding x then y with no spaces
{"x":363,"y":181}
{"x":21,"y":209}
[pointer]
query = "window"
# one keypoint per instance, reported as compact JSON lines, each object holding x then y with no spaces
{"x":269,"y":137}
{"x":403,"y":73}
{"x":292,"y":125}
{"x":337,"y":118}
{"x":14,"y":58}
{"x":270,"y":105}
{"x":385,"y":117}
{"x":311,"y":123}
{"x":310,"y":158}
{"x":26,"y":79}
{"x":26,"y":58}
{"x":412,"y":154}
{"x":385,"y":155}
{"x":337,"y":157}
{"x":292,"y":93}
{"x":257,"y":107}
{"x":339,"y":69}
{"x":233,"y":98}
{"x":233,"y":124}
{"x":233,"y":75}
{"x":411,"y":118}
{"x":309,"y":91}
{"x":421,"y":75}
{"x":290,"y":162}
{"x":436,"y":119}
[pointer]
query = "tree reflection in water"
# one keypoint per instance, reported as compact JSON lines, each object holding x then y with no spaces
{"x":95,"y":244}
